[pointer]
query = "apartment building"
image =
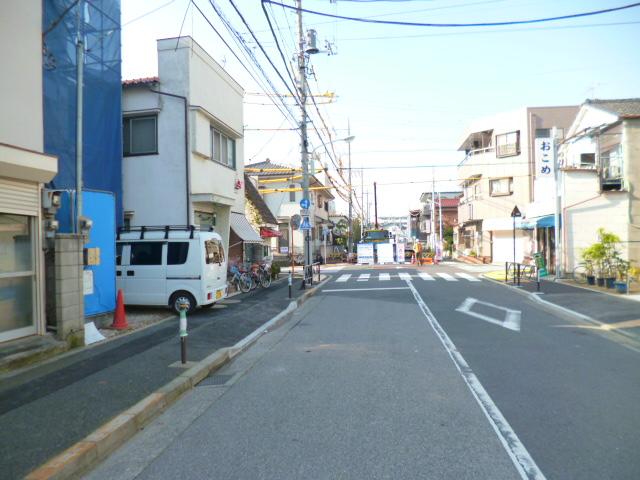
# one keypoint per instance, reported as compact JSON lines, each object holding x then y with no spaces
{"x":499,"y":173}
{"x":600,"y":171}
{"x":183,"y":144}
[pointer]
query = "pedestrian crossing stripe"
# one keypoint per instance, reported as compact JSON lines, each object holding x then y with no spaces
{"x":364,"y":277}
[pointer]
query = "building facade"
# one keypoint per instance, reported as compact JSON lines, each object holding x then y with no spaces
{"x":498,"y":174}
{"x":183,"y":144}
{"x":600,"y":171}
{"x":24,"y":168}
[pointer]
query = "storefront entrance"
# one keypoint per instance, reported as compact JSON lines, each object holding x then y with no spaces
{"x":17,"y":277}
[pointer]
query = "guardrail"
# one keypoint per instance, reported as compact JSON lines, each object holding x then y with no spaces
{"x":520,"y":271}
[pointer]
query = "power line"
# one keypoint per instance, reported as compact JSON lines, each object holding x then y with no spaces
{"x":478,"y":24}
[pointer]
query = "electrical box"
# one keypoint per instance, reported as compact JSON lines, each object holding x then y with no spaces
{"x":92,"y":256}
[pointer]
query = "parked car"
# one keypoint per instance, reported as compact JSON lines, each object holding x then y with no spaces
{"x":171,"y":266}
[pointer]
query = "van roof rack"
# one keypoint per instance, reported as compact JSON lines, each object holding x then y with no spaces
{"x":163,"y":228}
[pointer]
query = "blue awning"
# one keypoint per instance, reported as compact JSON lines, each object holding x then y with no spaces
{"x":547,"y":221}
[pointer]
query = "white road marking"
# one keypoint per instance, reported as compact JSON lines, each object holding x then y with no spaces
{"x":384,"y":276}
{"x":447,"y":277}
{"x":426,"y":276}
{"x":511,"y":319}
{"x":364,"y":289}
{"x":466,"y":276}
{"x":363,"y":277}
{"x":404,"y":276}
{"x":333,"y":269}
{"x":344,"y":278}
{"x":519,"y":455}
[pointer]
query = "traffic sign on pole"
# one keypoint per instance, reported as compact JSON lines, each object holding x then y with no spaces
{"x":295,"y":221}
{"x":305,"y":225}
{"x":305,"y":203}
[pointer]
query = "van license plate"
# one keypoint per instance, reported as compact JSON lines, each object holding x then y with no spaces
{"x":218,"y":294}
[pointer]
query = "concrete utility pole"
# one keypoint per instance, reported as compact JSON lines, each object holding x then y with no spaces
{"x":302,"y":90}
{"x":79,"y":112}
{"x":556,"y":223}
{"x":350,"y":239}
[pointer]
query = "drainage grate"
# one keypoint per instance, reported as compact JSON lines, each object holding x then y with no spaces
{"x":215,"y":380}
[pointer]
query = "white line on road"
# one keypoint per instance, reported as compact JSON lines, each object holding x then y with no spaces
{"x":519,"y":455}
{"x":466,"y":276}
{"x":344,"y":278}
{"x":364,"y":289}
{"x":426,"y":276}
{"x":363,"y":277}
{"x":384,"y":276}
{"x":404,"y":276}
{"x":511,"y":319}
{"x":447,"y":277}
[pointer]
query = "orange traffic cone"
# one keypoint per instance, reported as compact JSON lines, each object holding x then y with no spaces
{"x":119,"y":317}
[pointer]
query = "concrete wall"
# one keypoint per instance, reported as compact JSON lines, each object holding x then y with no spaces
{"x":68,"y":296}
{"x":21,"y":121}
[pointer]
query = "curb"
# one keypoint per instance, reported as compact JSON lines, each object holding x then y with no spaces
{"x":98,"y":445}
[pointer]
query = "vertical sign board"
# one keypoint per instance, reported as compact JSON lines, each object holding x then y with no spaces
{"x":400,"y":252}
{"x":365,"y":253}
{"x":544,"y":181}
{"x":385,"y":253}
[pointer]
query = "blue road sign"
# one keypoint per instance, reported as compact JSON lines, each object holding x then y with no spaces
{"x":305,"y":225}
{"x":305,"y":203}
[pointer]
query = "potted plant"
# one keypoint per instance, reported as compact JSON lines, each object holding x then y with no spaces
{"x":598,"y":255}
{"x":622,"y":274}
{"x":589,"y":266}
{"x":608,"y":242}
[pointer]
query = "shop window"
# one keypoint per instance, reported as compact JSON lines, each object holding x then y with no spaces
{"x":140,"y":135}
{"x":146,"y":253}
{"x":177,"y":253}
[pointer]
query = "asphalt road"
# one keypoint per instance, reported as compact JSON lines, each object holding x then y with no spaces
{"x":408,"y":373}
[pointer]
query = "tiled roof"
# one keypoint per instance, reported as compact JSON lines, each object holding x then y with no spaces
{"x":623,"y":107}
{"x":140,"y":81}
{"x":267,"y":164}
{"x":450,"y":202}
{"x":251,"y":192}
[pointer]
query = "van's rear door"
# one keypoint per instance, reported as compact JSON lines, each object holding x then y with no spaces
{"x":146,"y":277}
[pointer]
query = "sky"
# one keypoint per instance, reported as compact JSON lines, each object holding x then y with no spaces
{"x":406,"y":93}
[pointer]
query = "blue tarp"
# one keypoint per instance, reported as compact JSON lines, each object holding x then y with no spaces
{"x":102,"y":119}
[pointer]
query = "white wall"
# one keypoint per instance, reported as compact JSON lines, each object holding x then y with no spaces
{"x":21,"y":121}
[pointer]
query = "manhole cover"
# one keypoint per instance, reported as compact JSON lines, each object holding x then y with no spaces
{"x":215,"y":380}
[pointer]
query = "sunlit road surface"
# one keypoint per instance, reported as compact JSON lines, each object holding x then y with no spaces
{"x":429,"y":372}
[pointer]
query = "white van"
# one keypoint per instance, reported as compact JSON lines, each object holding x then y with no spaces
{"x":171,"y":266}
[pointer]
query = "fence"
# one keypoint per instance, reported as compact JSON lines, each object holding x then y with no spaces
{"x":520,"y":272}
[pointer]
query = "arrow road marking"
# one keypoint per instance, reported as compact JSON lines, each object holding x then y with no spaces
{"x":510,"y":321}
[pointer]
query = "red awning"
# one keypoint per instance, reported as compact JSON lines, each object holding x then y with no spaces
{"x":266,"y":232}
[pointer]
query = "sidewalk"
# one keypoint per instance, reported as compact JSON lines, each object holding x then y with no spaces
{"x":50,"y":407}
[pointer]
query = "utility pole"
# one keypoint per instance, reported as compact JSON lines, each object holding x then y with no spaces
{"x":362,"y":202}
{"x":556,"y":223}
{"x":441,"y":243}
{"x":302,"y":89}
{"x":375,"y":202}
{"x":432,"y":220}
{"x":350,"y":239}
{"x":79,"y":112}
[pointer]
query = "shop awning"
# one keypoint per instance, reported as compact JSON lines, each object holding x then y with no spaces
{"x":266,"y":232}
{"x":241,"y":226}
{"x":548,"y":221}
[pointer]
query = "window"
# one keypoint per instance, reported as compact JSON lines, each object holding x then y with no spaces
{"x":292,"y":195}
{"x":508,"y":144}
{"x":146,"y":253}
{"x":214,"y":252}
{"x":588,"y":160}
{"x":326,"y":206}
{"x":611,"y":162}
{"x":205,"y":219}
{"x":119,"y":247}
{"x":546,"y":133}
{"x":501,"y":186}
{"x":223,"y":149}
{"x":140,"y":135}
{"x":177,"y":253}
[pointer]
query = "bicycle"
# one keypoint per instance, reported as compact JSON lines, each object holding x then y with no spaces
{"x":240,"y":279}
{"x":580,"y":274}
{"x":265,"y":275}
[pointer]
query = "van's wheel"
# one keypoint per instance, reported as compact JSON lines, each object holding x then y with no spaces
{"x":180,"y":298}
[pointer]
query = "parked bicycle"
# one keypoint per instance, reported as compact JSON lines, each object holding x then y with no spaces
{"x":241,"y":280}
{"x":260,"y":275}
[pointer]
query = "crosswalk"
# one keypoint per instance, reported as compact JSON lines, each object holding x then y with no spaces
{"x":385,"y":277}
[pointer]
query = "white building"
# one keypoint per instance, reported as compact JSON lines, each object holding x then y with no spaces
{"x":600,"y":171}
{"x":23,"y":169}
{"x":285,"y":204}
{"x":183,"y":144}
{"x":498,"y":174}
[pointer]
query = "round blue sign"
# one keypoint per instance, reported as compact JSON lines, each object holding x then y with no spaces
{"x":305,"y":203}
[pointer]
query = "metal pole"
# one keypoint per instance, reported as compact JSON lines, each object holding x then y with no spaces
{"x":514,"y":249}
{"x":375,"y":202}
{"x":350,"y":239}
{"x":183,"y":334}
{"x":302,"y":87}
{"x":440,"y":218}
{"x":556,"y":223}
{"x":79,"y":112}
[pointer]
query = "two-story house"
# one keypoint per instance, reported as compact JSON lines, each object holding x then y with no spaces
{"x":183,"y":144}
{"x":600,"y":171}
{"x":443,"y":202}
{"x":272,"y":177}
{"x":498,"y":174}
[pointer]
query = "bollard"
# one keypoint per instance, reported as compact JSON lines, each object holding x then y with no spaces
{"x":537,"y":279}
{"x":290,"y":282}
{"x":183,"y":333}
